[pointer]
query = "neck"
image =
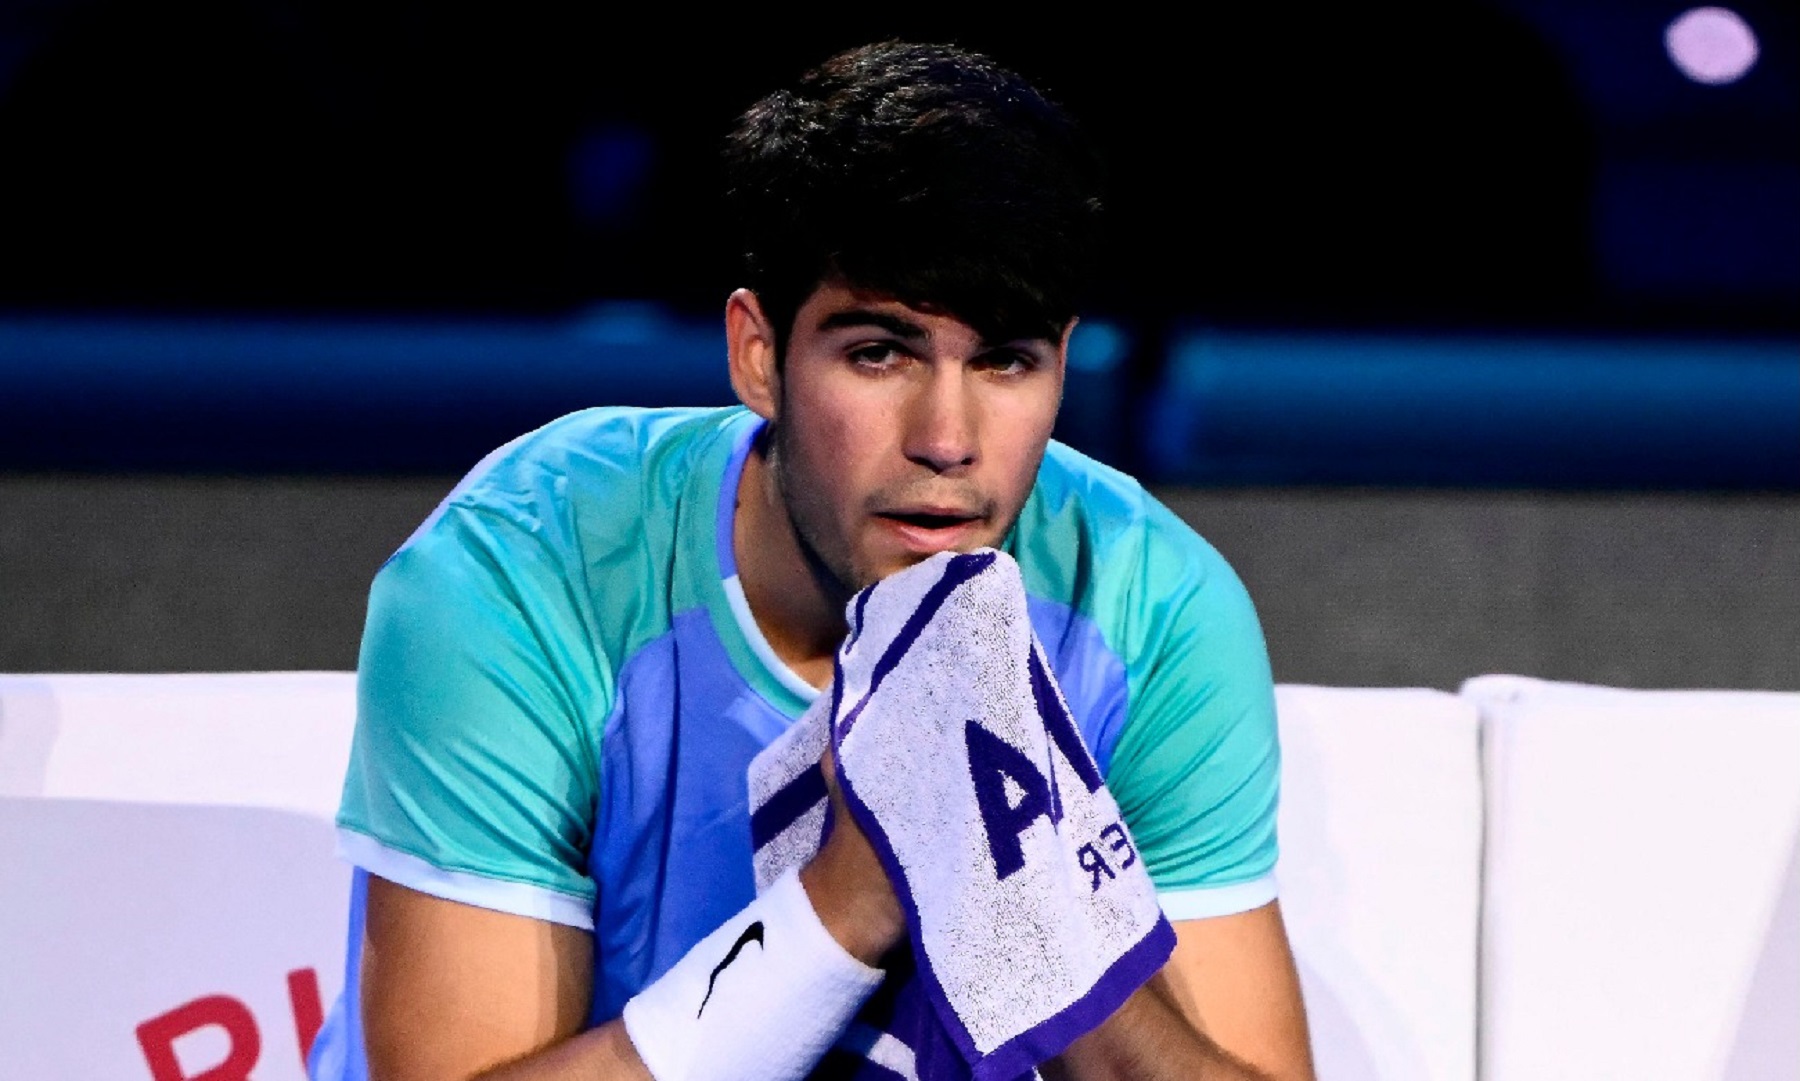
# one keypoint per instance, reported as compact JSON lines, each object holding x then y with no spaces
{"x":796,"y":607}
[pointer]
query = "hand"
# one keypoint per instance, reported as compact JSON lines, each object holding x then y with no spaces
{"x":847,"y":885}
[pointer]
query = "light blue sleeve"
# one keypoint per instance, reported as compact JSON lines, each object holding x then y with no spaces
{"x":1196,"y":769}
{"x":473,"y":773}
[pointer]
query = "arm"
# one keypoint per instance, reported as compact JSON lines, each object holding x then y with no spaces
{"x":451,"y":991}
{"x":475,"y":749}
{"x":469,"y":757}
{"x":454,"y":700}
{"x":1227,"y":1005}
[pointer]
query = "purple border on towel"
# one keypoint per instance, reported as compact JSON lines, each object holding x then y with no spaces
{"x":841,"y":1062}
{"x":1060,"y":723}
{"x":1049,"y":1037}
{"x":784,"y":808}
{"x":856,"y":623}
{"x":958,"y":570}
{"x":1053,"y":1035}
{"x":1124,"y":976}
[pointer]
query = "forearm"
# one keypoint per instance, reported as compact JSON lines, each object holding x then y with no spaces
{"x":599,"y":1054}
{"x":405,"y":1040}
{"x":1147,"y":1039}
{"x":607,"y":1052}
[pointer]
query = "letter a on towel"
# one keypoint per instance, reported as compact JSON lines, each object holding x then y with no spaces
{"x":959,"y":759}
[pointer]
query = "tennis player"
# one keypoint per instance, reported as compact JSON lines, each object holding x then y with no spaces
{"x":568,"y":668}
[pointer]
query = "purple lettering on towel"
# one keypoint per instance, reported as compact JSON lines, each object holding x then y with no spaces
{"x":1121,"y":842}
{"x":1093,"y":863}
{"x":991,"y":761}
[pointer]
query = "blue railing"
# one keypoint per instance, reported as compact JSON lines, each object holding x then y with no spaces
{"x":1225,"y":407}
{"x":1272,"y":408}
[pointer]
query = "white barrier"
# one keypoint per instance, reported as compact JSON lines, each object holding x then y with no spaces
{"x":169,"y":904}
{"x":1642,"y":902}
{"x":1380,"y":877}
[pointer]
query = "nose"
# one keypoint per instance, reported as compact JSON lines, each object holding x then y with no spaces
{"x":941,"y":428}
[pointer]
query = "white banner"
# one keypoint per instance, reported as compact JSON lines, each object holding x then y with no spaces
{"x":170,"y":908}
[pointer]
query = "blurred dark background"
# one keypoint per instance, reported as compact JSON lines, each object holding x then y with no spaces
{"x":1517,"y":164}
{"x":1456,"y":268}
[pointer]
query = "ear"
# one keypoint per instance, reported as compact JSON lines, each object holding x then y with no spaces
{"x":751,"y":351}
{"x":1062,"y":353}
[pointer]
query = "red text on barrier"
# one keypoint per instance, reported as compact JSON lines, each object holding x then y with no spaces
{"x":158,"y":1035}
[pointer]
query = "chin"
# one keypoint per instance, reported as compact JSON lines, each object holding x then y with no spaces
{"x":912,"y":559}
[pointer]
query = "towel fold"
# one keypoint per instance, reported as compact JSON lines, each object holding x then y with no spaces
{"x":1031,"y":917}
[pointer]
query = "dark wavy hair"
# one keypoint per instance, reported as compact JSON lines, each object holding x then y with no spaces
{"x":922,"y":172}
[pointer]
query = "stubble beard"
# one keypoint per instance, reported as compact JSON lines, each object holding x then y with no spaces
{"x":839,"y":582}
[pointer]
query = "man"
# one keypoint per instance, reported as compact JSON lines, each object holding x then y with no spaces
{"x":569,"y":667}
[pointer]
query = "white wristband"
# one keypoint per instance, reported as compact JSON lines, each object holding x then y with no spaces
{"x":760,"y":999}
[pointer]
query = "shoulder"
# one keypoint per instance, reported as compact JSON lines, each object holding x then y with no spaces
{"x":1094,"y":538}
{"x":577,"y":489}
{"x":577,"y":518}
{"x":596,"y":470}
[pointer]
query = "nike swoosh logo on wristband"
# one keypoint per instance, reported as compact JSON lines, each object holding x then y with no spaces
{"x":752,"y":933}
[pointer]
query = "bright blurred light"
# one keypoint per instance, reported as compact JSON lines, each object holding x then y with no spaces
{"x":1711,"y":45}
{"x":1097,"y":346}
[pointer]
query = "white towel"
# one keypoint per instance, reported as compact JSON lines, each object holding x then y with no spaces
{"x":1031,"y":916}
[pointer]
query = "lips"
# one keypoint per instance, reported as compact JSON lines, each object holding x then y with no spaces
{"x":931,"y":519}
{"x":931,"y":529}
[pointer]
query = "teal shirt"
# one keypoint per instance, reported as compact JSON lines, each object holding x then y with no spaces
{"x":561,"y":689}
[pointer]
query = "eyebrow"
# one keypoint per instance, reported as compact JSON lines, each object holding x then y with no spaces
{"x":863,"y":317}
{"x":907,"y":330}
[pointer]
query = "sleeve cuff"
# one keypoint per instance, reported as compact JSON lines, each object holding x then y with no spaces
{"x":501,"y":895}
{"x":1202,"y":902}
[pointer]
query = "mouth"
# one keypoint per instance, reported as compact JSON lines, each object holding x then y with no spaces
{"x":931,"y":529}
{"x":930,"y":519}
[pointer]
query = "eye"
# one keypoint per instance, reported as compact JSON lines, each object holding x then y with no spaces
{"x":877,"y":355}
{"x":1008,"y":362}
